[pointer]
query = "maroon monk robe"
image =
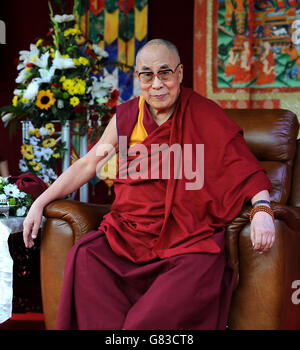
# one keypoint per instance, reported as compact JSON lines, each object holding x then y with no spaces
{"x":160,"y":252}
{"x":160,"y":218}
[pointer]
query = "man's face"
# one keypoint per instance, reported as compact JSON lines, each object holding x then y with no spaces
{"x":160,"y":95}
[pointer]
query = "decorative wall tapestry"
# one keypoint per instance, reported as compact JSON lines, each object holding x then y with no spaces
{"x":246,"y":53}
{"x":123,"y":24}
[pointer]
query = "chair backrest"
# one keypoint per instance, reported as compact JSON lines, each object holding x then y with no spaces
{"x":271,"y":135}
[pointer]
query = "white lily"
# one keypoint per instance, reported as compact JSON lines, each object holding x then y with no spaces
{"x":28,"y":56}
{"x":6,"y":117}
{"x":64,"y":18}
{"x":42,"y":62}
{"x":21,"y":78}
{"x":111,"y":79}
{"x":62,"y":62}
{"x":99,"y":51}
{"x":18,"y":92}
{"x":32,"y":90}
{"x":99,"y":88}
{"x":46,"y":74}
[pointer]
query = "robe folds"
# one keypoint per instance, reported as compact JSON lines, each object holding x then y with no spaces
{"x":160,"y":218}
{"x":158,"y":258}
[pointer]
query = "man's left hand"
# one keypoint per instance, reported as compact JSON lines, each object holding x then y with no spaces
{"x":262,"y":232}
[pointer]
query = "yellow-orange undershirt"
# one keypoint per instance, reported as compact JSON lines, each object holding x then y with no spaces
{"x":139,"y":132}
{"x":138,"y":135}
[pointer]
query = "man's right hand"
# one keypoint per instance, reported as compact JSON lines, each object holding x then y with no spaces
{"x":32,"y":224}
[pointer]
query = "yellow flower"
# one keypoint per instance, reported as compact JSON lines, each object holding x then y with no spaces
{"x":55,"y":154}
{"x":27,"y":151}
{"x":81,"y":60}
{"x":15,"y":101}
{"x":24,"y":100}
{"x":35,"y":132}
{"x":71,"y":31}
{"x":84,"y":61}
{"x":74,"y":86}
{"x":62,"y":79}
{"x":74,"y":101}
{"x":66,"y":84}
{"x":52,"y":52}
{"x":45,"y":99}
{"x":49,"y":143}
{"x":36,"y":166}
{"x":50,"y":128}
{"x":39,"y":42}
{"x":76,"y":61}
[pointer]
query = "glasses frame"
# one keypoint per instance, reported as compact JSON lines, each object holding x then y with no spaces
{"x":156,"y":74}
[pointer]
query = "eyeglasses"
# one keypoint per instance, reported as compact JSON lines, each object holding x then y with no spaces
{"x":163,"y":75}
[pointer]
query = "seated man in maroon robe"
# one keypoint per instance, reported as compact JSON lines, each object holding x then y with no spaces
{"x":157,"y":260}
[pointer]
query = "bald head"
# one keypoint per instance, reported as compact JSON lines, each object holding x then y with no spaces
{"x":159,"y":60}
{"x":159,"y":42}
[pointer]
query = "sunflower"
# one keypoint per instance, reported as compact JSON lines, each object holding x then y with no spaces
{"x":45,"y":99}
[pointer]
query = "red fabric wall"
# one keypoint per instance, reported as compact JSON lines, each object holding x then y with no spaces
{"x":27,"y":20}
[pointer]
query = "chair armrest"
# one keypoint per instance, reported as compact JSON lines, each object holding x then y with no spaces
{"x":290,"y":215}
{"x":82,"y":217}
{"x":262,"y":294}
{"x":66,"y":222}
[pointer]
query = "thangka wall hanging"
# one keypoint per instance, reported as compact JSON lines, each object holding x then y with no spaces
{"x":120,"y":28}
{"x":246,"y":53}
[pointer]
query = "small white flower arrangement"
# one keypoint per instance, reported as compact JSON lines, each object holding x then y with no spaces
{"x":18,"y":201}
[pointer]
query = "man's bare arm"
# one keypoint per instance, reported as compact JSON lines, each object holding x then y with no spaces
{"x":69,"y":181}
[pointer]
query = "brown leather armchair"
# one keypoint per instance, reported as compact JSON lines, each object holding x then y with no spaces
{"x":262,"y":297}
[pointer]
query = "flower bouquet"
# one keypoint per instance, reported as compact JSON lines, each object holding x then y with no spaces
{"x":62,"y":78}
{"x":13,"y":201}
